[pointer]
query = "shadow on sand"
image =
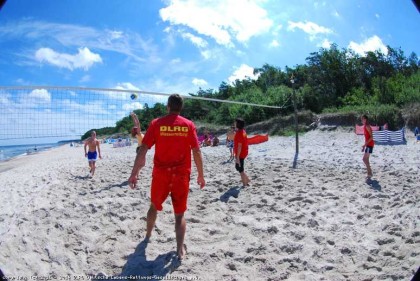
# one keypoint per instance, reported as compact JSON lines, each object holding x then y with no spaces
{"x":232,"y":192}
{"x":295,"y":159}
{"x":139,"y":268}
{"x":374,"y":184}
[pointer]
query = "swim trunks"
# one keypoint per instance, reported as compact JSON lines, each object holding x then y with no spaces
{"x":92,"y":156}
{"x":240,"y":168}
{"x":230,"y":143}
{"x":173,"y":181}
{"x":368,"y":149}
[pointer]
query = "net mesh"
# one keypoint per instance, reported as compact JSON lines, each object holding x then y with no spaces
{"x":69,"y":112}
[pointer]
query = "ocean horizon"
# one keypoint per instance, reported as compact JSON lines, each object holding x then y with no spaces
{"x":11,"y":151}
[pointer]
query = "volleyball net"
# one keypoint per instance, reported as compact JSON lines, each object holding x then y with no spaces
{"x":67,"y":113}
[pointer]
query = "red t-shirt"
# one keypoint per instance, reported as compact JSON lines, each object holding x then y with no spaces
{"x":367,"y":136}
{"x":241,"y":138}
{"x":174,"y":137}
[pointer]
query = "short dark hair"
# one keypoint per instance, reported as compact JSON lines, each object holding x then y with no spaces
{"x":175,"y":103}
{"x":240,"y":123}
{"x":364,"y":116}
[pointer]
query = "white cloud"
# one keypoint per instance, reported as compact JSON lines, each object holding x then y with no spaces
{"x":274,"y":44}
{"x":38,"y":96}
{"x":243,"y":72}
{"x":222,"y":20}
{"x":123,"y":95}
{"x":310,"y":28}
{"x":130,"y":44}
{"x":276,"y":29}
{"x":199,"y":82}
{"x":83,"y":59}
{"x":206,"y":54}
{"x":326,"y":44}
{"x":371,"y":44}
{"x":141,"y":97}
{"x":132,"y":106}
{"x":126,"y":86}
{"x":85,"y":78}
{"x":176,"y":61}
{"x":199,"y":42}
{"x":115,"y":34}
{"x":336,"y":14}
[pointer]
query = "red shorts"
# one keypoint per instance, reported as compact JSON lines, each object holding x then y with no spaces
{"x":170,"y":181}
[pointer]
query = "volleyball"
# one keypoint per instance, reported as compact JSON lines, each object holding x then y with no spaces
{"x":133,"y":96}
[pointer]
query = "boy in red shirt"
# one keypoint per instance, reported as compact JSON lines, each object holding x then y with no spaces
{"x":367,"y":147}
{"x":240,"y":149}
{"x":174,"y":138}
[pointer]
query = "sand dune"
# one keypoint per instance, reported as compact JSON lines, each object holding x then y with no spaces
{"x":318,"y":221}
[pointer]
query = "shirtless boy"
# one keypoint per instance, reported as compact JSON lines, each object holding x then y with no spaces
{"x":92,"y":154}
{"x":229,"y":141}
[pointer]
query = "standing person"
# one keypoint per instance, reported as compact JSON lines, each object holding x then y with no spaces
{"x":229,"y":142}
{"x":368,"y":145}
{"x":92,"y":154}
{"x":240,"y":149}
{"x":174,"y":137}
{"x":136,"y":132}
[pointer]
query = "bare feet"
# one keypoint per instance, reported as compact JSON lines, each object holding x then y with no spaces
{"x":182,"y":252}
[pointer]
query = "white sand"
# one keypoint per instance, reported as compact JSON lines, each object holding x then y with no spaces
{"x":320,"y":221}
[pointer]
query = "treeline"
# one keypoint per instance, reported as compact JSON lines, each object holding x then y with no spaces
{"x":331,"y":80}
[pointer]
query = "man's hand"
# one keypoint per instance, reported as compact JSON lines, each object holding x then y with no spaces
{"x":201,"y":182}
{"x":132,"y":182}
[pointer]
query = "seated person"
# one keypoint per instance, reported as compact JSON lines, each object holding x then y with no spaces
{"x":215,"y":141}
{"x":207,"y":140}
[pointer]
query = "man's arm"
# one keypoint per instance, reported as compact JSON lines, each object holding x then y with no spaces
{"x":99,"y":149}
{"x":139,"y":163}
{"x":136,"y":121}
{"x":198,"y":159}
{"x":238,"y":152}
{"x":86,"y":143}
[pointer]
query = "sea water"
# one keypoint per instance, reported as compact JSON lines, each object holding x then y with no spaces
{"x":11,"y":151}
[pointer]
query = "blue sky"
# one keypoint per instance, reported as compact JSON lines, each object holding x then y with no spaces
{"x":179,"y":46}
{"x":169,"y":46}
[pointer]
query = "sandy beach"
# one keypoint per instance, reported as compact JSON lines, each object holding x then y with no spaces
{"x":318,"y":221}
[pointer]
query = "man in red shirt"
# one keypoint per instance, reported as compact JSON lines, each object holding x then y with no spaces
{"x":174,"y":138}
{"x":367,"y":147}
{"x":240,"y":149}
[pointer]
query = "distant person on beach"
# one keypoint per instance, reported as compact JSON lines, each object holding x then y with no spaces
{"x":136,"y":132}
{"x":207,"y":139}
{"x":92,"y":154}
{"x":240,"y":149}
{"x":229,"y":142}
{"x":215,"y":141}
{"x":368,"y":145}
{"x":174,"y":138}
